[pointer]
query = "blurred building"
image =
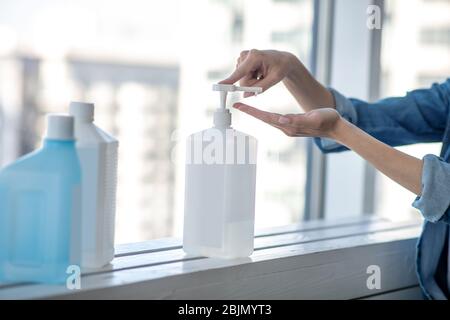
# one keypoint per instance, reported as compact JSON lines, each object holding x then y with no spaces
{"x":148,"y":66}
{"x":416,"y":44}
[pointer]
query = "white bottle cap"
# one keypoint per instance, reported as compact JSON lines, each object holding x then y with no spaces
{"x":82,"y":111}
{"x":59,"y":127}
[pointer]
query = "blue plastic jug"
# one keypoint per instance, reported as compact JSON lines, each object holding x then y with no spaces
{"x":40,"y":209}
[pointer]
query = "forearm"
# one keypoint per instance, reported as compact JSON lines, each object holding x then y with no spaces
{"x":400,"y":167}
{"x":308,"y":92}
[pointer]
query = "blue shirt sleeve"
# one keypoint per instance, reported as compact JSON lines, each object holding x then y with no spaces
{"x":434,"y":201}
{"x":419,"y":116}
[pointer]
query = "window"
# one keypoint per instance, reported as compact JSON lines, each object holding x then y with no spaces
{"x":415,"y":54}
{"x":148,"y":66}
{"x":435,"y":36}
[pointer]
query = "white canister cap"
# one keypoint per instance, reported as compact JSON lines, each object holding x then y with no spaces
{"x":60,"y":127}
{"x":82,"y":110}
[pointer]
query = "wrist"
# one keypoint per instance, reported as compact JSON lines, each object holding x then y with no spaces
{"x":340,"y":130}
{"x":304,"y":87}
{"x":296,"y":69}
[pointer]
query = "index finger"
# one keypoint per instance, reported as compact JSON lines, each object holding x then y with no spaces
{"x":237,"y":75}
{"x":268,"y":117}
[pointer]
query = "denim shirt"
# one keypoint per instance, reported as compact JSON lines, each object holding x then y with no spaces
{"x":420,"y":116}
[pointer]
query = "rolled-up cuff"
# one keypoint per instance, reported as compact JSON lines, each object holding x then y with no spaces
{"x":346,"y":109}
{"x":434,"y":200}
{"x":328,"y":145}
{"x":344,"y":106}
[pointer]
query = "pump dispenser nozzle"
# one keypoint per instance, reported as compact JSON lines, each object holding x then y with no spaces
{"x":222,"y":116}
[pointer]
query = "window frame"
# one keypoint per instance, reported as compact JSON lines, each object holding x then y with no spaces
{"x":334,"y":21}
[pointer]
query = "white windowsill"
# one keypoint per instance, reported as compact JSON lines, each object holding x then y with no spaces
{"x":312,"y":260}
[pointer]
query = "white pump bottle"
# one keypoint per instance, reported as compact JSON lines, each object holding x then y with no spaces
{"x":98,"y":154}
{"x":219,"y":216}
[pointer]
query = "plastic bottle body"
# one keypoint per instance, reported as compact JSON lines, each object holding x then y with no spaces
{"x":220,"y":194}
{"x":40,"y":196}
{"x":98,"y":153}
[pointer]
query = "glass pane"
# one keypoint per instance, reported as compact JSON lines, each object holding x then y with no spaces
{"x":415,"y":54}
{"x":149,"y":66}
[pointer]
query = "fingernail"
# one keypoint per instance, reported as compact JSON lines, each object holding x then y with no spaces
{"x":236,"y":105}
{"x":284,"y":120}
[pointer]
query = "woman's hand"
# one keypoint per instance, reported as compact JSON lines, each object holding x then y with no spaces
{"x":265,"y":68}
{"x":326,"y":122}
{"x":261,"y":68}
{"x":321,"y":122}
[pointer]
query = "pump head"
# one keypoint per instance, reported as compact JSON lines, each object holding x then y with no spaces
{"x":222,"y":116}
{"x":232,"y":88}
